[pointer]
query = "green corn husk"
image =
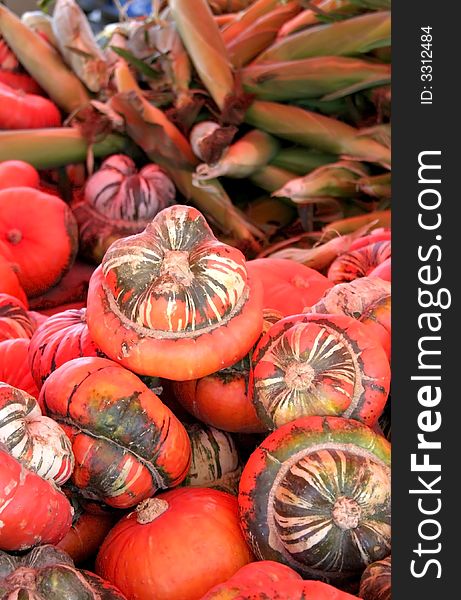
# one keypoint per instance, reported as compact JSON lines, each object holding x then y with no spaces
{"x":301,"y":161}
{"x":260,"y":34}
{"x":373,"y":4}
{"x":315,"y":131}
{"x":271,"y":178}
{"x":313,"y":78}
{"x":247,"y":17}
{"x":313,"y":16}
{"x":212,"y":200}
{"x":378,"y":186}
{"x":203,"y":41}
{"x":56,"y":147}
{"x":43,"y":63}
{"x":350,"y":37}
{"x":42,"y":23}
{"x":337,"y":180}
{"x":243,"y":158}
{"x":78,"y":46}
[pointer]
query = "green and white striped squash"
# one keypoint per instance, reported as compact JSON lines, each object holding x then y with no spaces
{"x":316,"y":496}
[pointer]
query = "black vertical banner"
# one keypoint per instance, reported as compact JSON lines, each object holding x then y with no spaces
{"x":426,"y":357}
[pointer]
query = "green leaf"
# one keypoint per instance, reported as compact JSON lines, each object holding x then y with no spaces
{"x":137,"y":63}
{"x":80,"y":52}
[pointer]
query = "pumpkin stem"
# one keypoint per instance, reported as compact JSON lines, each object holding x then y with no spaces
{"x":346,"y":513}
{"x":148,"y":510}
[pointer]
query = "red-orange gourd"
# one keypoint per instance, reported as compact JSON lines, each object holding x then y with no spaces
{"x":17,"y":173}
{"x":19,"y":110}
{"x":175,"y":546}
{"x":41,"y":235}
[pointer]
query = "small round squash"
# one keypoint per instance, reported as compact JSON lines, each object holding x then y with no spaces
{"x":41,"y":234}
{"x":376,"y":583}
{"x":175,"y":546}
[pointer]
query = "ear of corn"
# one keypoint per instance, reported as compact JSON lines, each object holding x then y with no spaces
{"x":43,"y":63}
{"x":125,"y":82}
{"x":55,"y":147}
{"x":337,"y":180}
{"x":301,"y":161}
{"x":260,"y":34}
{"x":350,"y":37}
{"x":203,"y":41}
{"x":312,"y":16}
{"x":41,"y":23}
{"x":313,"y":77}
{"x":373,"y":220}
{"x":251,"y":152}
{"x":78,"y":46}
{"x":247,"y":17}
{"x":316,"y":131}
{"x":378,"y":186}
{"x":271,"y":178}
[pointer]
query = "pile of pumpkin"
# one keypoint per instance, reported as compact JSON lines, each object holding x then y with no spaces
{"x":207,"y":426}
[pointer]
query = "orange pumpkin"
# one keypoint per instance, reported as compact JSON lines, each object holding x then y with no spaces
{"x":17,"y":173}
{"x":14,"y":365}
{"x":15,"y":321}
{"x":175,"y":546}
{"x":41,"y":234}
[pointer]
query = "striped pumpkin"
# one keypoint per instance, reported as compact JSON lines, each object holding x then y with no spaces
{"x":15,"y":321}
{"x":119,"y":201}
{"x":375,"y":583}
{"x":127,"y":443}
{"x":319,"y":365}
{"x":48,"y":573}
{"x":60,"y":338}
{"x":35,"y":440}
{"x":33,"y":510}
{"x":215,"y":461}
{"x":14,"y":365}
{"x":173,"y":301}
{"x":359,"y":263}
{"x":366,"y":299}
{"x":316,"y":496}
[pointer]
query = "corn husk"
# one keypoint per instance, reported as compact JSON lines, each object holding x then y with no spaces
{"x":41,"y":23}
{"x":313,"y":78}
{"x":125,"y":82}
{"x":246,"y":156}
{"x":78,"y":45}
{"x":301,"y":161}
{"x":313,"y":16}
{"x":378,"y":186}
{"x":271,"y":178}
{"x":247,"y":17}
{"x":56,"y":147}
{"x":321,"y":256}
{"x":372,"y":220}
{"x":350,"y":37}
{"x":315,"y":131}
{"x":220,"y":7}
{"x":202,"y":39}
{"x":43,"y":63}
{"x":337,"y":180}
{"x":224,"y":19}
{"x":260,"y":34}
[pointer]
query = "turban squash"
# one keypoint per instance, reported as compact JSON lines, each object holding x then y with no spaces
{"x":60,"y":338}
{"x":119,"y":201}
{"x":316,"y":495}
{"x":15,"y":321}
{"x":311,"y":364}
{"x":48,"y":573}
{"x":33,"y":510}
{"x":173,"y":301}
{"x":127,"y":444}
{"x":14,"y":365}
